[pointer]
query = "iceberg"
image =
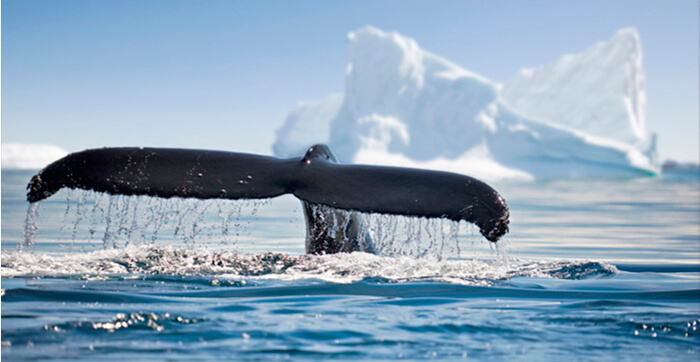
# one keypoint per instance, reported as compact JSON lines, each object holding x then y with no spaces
{"x":600,"y":91}
{"x":404,"y":106}
{"x":29,"y":156}
{"x":309,"y":123}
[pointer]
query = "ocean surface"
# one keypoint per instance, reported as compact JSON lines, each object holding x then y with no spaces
{"x":591,"y":270}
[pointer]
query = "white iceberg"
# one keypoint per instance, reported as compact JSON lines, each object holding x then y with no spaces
{"x":29,"y":156}
{"x":600,"y":91}
{"x":309,"y":123}
{"x":404,"y":106}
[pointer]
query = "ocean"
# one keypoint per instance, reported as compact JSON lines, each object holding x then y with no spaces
{"x":591,"y":270}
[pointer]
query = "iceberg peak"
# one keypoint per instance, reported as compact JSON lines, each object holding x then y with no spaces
{"x":580,"y":116}
{"x":626,"y":34}
{"x":600,"y":91}
{"x":390,"y":77}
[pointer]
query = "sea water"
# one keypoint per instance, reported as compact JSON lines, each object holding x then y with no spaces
{"x":591,"y":269}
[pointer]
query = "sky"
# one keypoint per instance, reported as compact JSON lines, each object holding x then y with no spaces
{"x":225,"y":74}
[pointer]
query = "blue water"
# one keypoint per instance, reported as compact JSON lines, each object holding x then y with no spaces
{"x":592,"y":269}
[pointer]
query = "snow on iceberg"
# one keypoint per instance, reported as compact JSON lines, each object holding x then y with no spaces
{"x":29,"y":156}
{"x":600,"y":91}
{"x":404,"y":106}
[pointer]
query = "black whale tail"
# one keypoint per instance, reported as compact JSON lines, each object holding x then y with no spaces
{"x":316,"y":178}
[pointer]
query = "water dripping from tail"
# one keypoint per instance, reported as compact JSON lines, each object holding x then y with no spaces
{"x":118,"y":221}
{"x":30,"y":226}
{"x":141,"y":220}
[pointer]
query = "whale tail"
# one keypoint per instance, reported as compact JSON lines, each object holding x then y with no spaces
{"x":316,"y":179}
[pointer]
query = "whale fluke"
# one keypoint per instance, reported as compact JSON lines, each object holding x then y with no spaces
{"x":316,"y":178}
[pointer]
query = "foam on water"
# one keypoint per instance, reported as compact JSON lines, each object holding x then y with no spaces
{"x":336,"y":268}
{"x":134,"y":227}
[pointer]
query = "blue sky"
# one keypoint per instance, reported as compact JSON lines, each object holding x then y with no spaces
{"x":224,"y":74}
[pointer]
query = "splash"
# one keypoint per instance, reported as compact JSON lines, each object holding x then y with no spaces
{"x":392,"y":235}
{"x":120,"y":221}
{"x":337,"y":268}
{"x":30,"y":227}
{"x":414,"y":236}
{"x":135,"y":320}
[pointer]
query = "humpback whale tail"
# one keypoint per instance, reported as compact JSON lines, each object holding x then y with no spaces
{"x":315,"y":179}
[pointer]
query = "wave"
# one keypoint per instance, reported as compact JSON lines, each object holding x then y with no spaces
{"x":335,"y":268}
